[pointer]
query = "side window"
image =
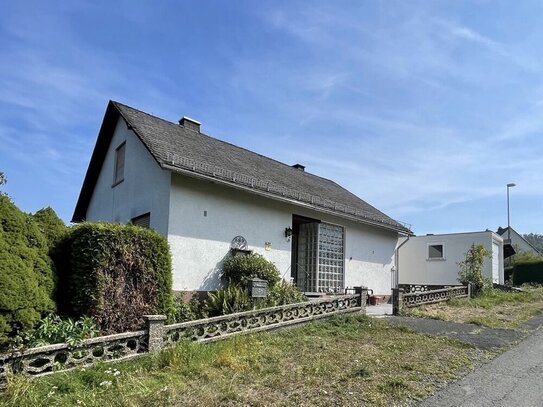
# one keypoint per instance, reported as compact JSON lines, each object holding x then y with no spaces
{"x":118,"y":175}
{"x":143,"y":221}
{"x":436,"y":252}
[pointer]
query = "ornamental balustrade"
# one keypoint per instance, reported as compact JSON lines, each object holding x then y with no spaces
{"x":58,"y":357}
{"x":415,"y":298}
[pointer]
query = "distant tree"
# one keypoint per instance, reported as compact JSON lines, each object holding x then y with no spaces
{"x":3,"y":179}
{"x":536,"y":240}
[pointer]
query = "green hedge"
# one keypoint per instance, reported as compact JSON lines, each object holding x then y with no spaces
{"x":26,"y":272}
{"x":529,"y":272}
{"x":116,"y":273}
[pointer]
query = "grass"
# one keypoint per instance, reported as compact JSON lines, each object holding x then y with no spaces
{"x":494,"y":308}
{"x":338,"y":361}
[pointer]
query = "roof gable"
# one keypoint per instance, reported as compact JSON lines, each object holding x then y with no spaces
{"x":184,"y":150}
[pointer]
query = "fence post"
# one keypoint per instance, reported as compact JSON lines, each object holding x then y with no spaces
{"x":155,"y":331}
{"x":363,"y":292}
{"x":397,"y":301}
{"x":469,"y":290}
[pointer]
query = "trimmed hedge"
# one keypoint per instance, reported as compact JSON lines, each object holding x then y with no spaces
{"x":26,"y":272}
{"x":117,"y":273}
{"x":529,"y":272}
{"x":238,"y":270}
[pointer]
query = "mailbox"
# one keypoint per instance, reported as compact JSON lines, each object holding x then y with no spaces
{"x":258,"y":288}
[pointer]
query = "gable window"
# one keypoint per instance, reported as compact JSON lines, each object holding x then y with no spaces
{"x":436,"y":251}
{"x":118,"y":175}
{"x":143,"y":221}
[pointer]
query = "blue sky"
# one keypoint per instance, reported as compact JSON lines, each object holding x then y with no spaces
{"x":425,"y":109}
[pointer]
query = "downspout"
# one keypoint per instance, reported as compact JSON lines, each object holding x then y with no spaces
{"x":397,"y":260}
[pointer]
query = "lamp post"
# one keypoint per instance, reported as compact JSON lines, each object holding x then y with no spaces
{"x":510,"y":185}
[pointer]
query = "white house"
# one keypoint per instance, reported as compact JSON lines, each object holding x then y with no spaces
{"x":433,"y":259}
{"x":206,"y":195}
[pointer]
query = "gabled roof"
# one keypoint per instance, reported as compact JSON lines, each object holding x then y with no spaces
{"x":503,"y":232}
{"x":182,"y":149}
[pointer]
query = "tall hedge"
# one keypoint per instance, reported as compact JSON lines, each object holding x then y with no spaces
{"x":116,"y":274}
{"x":26,"y":272}
{"x":528,"y":272}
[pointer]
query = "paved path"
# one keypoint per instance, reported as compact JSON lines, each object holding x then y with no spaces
{"x":514,"y":378}
{"x":478,"y":336}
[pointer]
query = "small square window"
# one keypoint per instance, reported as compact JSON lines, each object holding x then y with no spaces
{"x":435,"y":251}
{"x":118,"y":176}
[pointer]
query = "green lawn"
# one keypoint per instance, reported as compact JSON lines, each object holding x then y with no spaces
{"x":495,"y":308}
{"x":338,"y":361}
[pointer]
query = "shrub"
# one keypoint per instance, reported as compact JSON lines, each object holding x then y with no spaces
{"x":284,"y":293}
{"x":117,"y":273}
{"x":471,"y":269}
{"x":227,"y":301}
{"x":26,"y":273}
{"x":185,"y":311}
{"x":238,"y":270}
{"x":529,"y":272}
{"x":53,"y":329}
{"x":51,"y":226}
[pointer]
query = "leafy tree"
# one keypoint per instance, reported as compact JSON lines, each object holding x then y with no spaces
{"x":3,"y":179}
{"x":536,"y":240}
{"x":471,"y":269}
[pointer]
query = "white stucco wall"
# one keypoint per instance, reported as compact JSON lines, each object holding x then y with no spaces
{"x":416,"y":268}
{"x":199,"y":242}
{"x":146,"y":187}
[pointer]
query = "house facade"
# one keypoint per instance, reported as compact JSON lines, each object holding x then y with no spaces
{"x":433,"y":259}
{"x":207,"y":197}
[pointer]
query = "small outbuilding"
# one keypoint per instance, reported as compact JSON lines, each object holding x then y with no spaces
{"x":433,"y":259}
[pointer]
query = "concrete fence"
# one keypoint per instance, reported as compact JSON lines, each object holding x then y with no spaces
{"x":401,"y":299}
{"x":156,"y":335}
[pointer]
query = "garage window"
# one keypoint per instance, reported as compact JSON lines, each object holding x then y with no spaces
{"x":436,"y":252}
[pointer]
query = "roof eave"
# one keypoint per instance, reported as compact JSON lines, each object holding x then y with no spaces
{"x":95,"y":164}
{"x":286,"y":199}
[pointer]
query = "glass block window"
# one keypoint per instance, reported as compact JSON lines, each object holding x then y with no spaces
{"x":331,"y":258}
{"x":321,"y":257}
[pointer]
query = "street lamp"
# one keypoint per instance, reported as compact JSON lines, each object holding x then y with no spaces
{"x":510,"y":185}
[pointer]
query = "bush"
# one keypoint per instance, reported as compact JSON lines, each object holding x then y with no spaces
{"x":471,"y":269}
{"x":284,"y":293}
{"x":529,"y":272}
{"x":117,"y":273}
{"x":52,"y":227}
{"x":53,"y":329}
{"x":185,"y":311}
{"x":227,"y":301}
{"x":238,"y":270}
{"x":26,"y":272}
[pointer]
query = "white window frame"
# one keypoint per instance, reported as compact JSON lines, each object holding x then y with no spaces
{"x":443,"y":255}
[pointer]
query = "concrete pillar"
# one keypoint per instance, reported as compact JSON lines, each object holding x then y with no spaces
{"x":155,"y":331}
{"x":397,"y":300}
